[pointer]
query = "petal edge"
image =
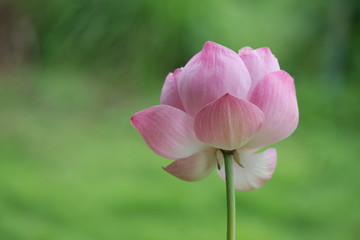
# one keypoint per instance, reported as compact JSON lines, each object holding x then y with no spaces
{"x":169,"y":92}
{"x":194,"y":167}
{"x":168,"y":131}
{"x":275,"y":95}
{"x":259,"y":63}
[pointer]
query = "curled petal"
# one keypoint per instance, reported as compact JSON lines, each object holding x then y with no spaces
{"x":168,"y":131}
{"x":211,"y":73}
{"x":259,"y":63}
{"x":275,"y":96}
{"x":228,"y":123}
{"x":169,"y":92}
{"x":258,"y":169}
{"x":195,"y":167}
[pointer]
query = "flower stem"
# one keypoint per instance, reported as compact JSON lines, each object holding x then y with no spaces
{"x":230,"y":195}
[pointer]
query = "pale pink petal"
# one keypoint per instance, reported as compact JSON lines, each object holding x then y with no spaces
{"x":168,"y":131}
{"x":259,"y":63}
{"x":169,"y":92}
{"x":228,"y":123}
{"x":258,"y":169}
{"x":211,"y":73}
{"x":275,"y":96}
{"x":195,"y":167}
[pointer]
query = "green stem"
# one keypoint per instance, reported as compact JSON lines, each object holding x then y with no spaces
{"x":230,"y":196}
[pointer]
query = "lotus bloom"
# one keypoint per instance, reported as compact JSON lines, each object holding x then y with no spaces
{"x":221,"y":100}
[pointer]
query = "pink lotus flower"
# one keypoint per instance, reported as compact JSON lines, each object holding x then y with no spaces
{"x":222,"y":100}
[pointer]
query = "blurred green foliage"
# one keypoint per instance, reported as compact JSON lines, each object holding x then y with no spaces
{"x":73,"y":72}
{"x":158,"y":36}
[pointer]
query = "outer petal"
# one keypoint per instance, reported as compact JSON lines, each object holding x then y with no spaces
{"x":275,"y":96}
{"x":259,"y":63}
{"x":211,"y":73}
{"x":168,"y":131}
{"x":169,"y":92}
{"x":195,"y":167}
{"x":258,"y":169}
{"x":228,"y":123}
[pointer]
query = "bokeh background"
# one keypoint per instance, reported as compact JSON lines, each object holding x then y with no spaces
{"x":73,"y":72}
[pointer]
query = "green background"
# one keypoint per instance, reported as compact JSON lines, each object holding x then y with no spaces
{"x":73,"y":72}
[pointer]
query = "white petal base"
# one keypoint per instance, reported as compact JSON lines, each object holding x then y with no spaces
{"x":258,"y":169}
{"x":195,"y":167}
